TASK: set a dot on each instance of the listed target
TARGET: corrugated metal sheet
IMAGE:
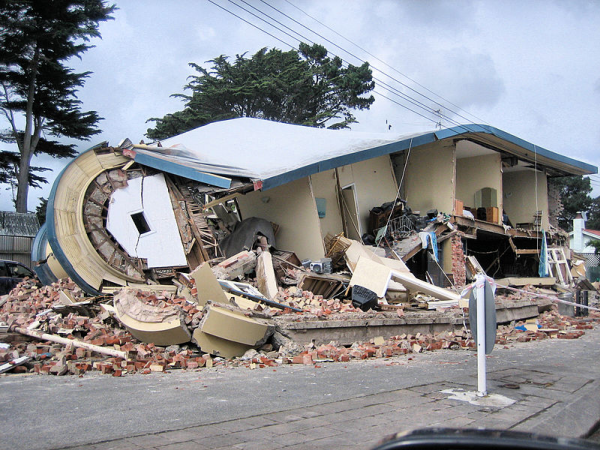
(18, 224)
(15, 244)
(23, 258)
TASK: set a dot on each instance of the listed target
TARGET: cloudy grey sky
(530, 68)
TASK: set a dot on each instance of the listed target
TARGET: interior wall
(374, 183)
(293, 208)
(475, 173)
(429, 178)
(520, 196)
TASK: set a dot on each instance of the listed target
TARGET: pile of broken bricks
(214, 317)
(47, 311)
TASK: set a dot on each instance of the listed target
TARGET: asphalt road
(55, 412)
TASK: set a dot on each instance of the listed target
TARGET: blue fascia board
(53, 239)
(182, 171)
(345, 160)
(526, 145)
(38, 253)
(541, 151)
(415, 141)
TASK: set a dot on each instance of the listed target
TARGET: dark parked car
(11, 274)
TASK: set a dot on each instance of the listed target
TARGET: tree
(304, 87)
(593, 222)
(37, 90)
(574, 194)
(596, 244)
(40, 210)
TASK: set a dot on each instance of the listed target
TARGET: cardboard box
(491, 214)
(458, 207)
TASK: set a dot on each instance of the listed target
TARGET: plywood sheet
(371, 275)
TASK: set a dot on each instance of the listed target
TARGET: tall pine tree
(37, 89)
(304, 86)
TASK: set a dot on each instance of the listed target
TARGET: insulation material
(141, 219)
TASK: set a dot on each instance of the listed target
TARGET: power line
(363, 61)
(386, 86)
(383, 62)
(251, 24)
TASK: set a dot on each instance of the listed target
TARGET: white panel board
(148, 195)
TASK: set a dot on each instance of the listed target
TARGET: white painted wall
(585, 247)
(162, 245)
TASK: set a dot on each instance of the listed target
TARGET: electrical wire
(305, 38)
(385, 85)
(482, 138)
(412, 100)
(383, 62)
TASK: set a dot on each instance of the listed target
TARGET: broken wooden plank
(73, 342)
(415, 284)
(14, 363)
(265, 276)
(525, 281)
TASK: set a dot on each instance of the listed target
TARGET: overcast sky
(530, 68)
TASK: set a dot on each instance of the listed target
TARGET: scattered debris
(43, 337)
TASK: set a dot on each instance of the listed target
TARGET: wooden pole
(73, 342)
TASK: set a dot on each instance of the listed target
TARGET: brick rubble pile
(29, 305)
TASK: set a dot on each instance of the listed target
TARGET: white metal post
(481, 362)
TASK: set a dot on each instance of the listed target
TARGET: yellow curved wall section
(54, 265)
(68, 218)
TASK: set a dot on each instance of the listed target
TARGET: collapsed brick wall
(459, 269)
(555, 206)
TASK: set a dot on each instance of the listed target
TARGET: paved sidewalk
(554, 397)
(361, 422)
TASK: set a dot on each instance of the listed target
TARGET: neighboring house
(580, 237)
(579, 242)
(17, 232)
(126, 214)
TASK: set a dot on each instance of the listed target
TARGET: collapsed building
(132, 213)
(249, 212)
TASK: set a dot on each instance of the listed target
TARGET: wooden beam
(73, 342)
(218, 201)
